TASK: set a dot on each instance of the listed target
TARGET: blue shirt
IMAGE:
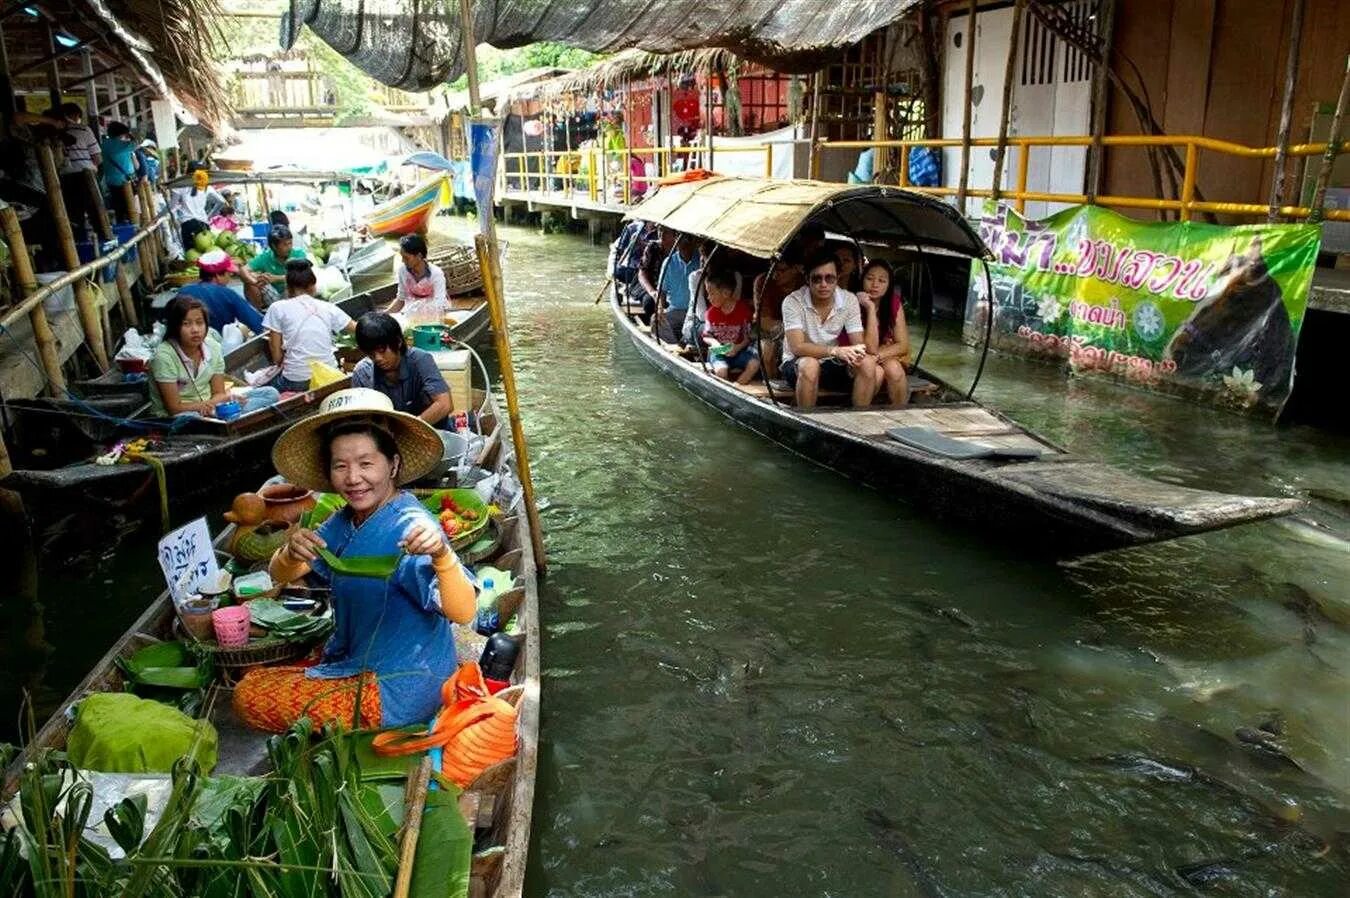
(224, 306)
(419, 382)
(393, 628)
(675, 280)
(119, 161)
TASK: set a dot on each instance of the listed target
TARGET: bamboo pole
(106, 233)
(964, 183)
(85, 302)
(1009, 70)
(137, 217)
(1333, 148)
(489, 261)
(819, 76)
(1100, 78)
(43, 337)
(412, 826)
(1277, 178)
(708, 104)
(153, 252)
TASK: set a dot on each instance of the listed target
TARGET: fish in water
(1264, 745)
(1241, 324)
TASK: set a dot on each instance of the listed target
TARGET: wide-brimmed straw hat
(297, 455)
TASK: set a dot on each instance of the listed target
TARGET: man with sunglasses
(813, 318)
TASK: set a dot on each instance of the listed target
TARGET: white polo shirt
(800, 314)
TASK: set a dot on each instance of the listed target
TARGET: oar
(603, 287)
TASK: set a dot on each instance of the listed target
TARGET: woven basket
(460, 265)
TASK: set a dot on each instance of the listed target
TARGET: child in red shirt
(727, 328)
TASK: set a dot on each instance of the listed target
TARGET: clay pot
(247, 510)
(286, 502)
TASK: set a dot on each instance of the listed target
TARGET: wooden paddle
(603, 287)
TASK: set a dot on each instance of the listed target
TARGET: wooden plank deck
(964, 421)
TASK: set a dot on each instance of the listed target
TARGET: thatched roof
(624, 68)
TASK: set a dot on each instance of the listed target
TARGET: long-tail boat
(408, 213)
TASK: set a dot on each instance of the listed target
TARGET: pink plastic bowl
(231, 626)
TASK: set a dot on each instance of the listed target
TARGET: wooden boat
(497, 805)
(1055, 501)
(409, 213)
(54, 442)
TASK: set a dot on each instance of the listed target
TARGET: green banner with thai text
(1203, 310)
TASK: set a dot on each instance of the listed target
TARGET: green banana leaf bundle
(285, 624)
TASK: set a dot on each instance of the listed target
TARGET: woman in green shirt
(188, 367)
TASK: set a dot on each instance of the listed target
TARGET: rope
(157, 466)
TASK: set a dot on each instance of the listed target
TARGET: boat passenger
(674, 284)
(300, 328)
(769, 295)
(727, 323)
(118, 161)
(883, 314)
(406, 374)
(269, 266)
(846, 258)
(223, 305)
(188, 367)
(649, 272)
(421, 285)
(814, 316)
(392, 646)
(628, 248)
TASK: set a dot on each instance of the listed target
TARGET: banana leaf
(444, 849)
(169, 665)
(325, 505)
(381, 567)
(279, 621)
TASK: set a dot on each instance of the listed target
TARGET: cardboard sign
(188, 559)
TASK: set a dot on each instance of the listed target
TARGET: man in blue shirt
(223, 305)
(674, 285)
(119, 166)
(407, 375)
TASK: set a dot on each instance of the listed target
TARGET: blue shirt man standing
(223, 305)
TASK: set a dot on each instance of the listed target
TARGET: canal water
(763, 679)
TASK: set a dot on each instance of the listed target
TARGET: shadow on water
(762, 679)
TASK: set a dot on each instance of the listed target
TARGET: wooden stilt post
(138, 218)
(86, 303)
(964, 183)
(1006, 110)
(53, 68)
(106, 233)
(814, 151)
(1101, 77)
(43, 337)
(150, 253)
(489, 259)
(1333, 147)
(1277, 178)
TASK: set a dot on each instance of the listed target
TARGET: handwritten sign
(188, 559)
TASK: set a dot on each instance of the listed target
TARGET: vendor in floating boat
(300, 328)
(884, 324)
(406, 374)
(421, 285)
(223, 305)
(188, 367)
(814, 317)
(191, 205)
(268, 267)
(392, 647)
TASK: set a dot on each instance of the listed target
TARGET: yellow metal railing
(1187, 205)
(597, 177)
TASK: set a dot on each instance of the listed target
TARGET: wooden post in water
(106, 233)
(489, 260)
(1005, 111)
(85, 302)
(1277, 179)
(1333, 147)
(1101, 76)
(43, 337)
(964, 182)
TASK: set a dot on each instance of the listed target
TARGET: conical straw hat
(298, 458)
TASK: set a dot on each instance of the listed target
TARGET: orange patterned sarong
(273, 698)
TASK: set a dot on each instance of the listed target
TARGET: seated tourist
(846, 258)
(300, 328)
(421, 285)
(814, 317)
(883, 313)
(392, 645)
(628, 249)
(188, 367)
(727, 323)
(674, 285)
(770, 290)
(223, 305)
(406, 374)
(649, 270)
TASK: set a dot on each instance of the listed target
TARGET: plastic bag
(329, 281)
(232, 336)
(321, 375)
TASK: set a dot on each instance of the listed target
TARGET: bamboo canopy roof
(413, 44)
(626, 67)
(760, 216)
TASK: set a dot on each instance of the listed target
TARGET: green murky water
(763, 679)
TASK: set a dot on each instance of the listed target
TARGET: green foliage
(493, 63)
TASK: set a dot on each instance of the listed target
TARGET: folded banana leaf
(278, 621)
(381, 567)
(167, 664)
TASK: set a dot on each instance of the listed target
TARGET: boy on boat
(727, 324)
(406, 374)
(814, 317)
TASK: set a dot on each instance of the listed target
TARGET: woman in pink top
(421, 285)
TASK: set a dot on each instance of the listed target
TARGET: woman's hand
(424, 539)
(303, 545)
(865, 301)
(852, 354)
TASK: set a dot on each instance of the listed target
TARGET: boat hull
(407, 214)
(1030, 504)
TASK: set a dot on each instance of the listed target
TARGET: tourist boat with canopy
(54, 443)
(411, 818)
(945, 451)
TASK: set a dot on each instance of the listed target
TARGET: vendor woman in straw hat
(392, 647)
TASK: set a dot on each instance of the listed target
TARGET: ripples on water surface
(763, 679)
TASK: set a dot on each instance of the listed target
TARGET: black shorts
(834, 374)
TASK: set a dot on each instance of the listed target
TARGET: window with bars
(1042, 53)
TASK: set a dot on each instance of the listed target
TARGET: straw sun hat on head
(298, 454)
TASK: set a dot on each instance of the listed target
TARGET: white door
(1051, 97)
